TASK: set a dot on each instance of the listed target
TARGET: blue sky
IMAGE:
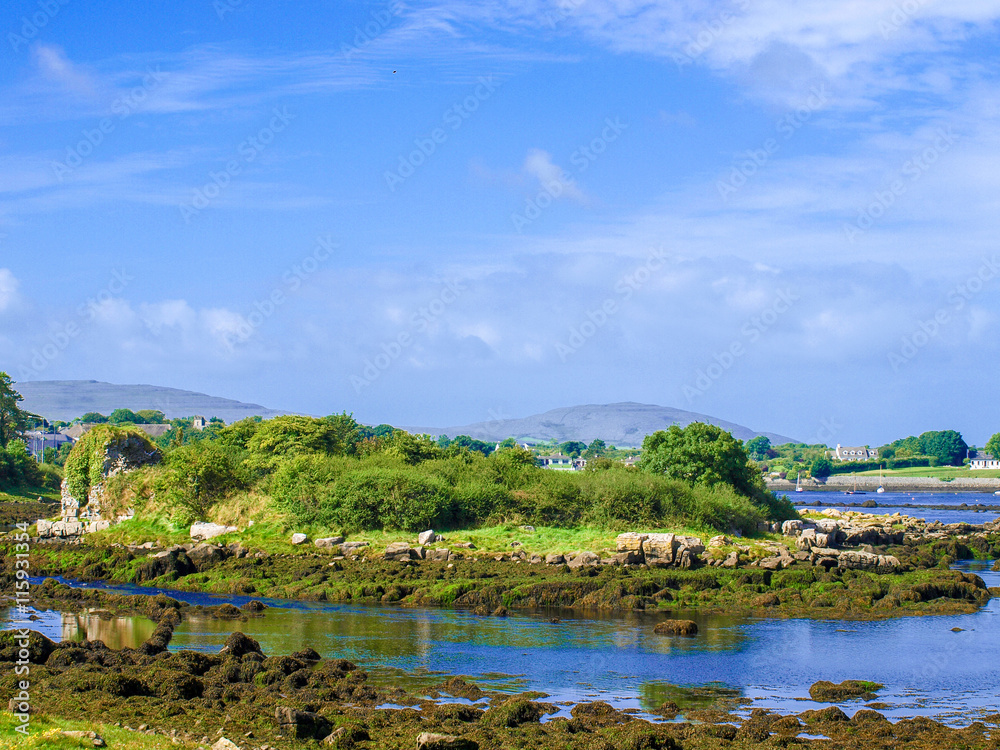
(434, 213)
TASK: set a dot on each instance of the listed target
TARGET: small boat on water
(855, 491)
(880, 489)
(797, 487)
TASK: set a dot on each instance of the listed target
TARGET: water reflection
(91, 625)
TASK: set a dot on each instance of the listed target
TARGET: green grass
(44, 733)
(20, 494)
(939, 472)
(275, 538)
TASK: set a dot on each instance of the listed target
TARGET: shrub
(391, 498)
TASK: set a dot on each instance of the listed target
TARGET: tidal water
(891, 502)
(926, 667)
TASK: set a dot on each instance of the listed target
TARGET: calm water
(891, 502)
(927, 668)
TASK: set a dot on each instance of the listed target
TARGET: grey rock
(584, 559)
(202, 530)
(426, 537)
(329, 541)
(299, 538)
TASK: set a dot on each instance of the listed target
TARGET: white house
(861, 453)
(981, 460)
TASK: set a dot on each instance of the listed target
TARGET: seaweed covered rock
(17, 644)
(238, 644)
(828, 692)
(431, 741)
(513, 713)
(676, 627)
(302, 725)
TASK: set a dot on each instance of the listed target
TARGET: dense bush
(18, 468)
(329, 473)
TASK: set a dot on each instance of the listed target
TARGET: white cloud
(54, 66)
(8, 290)
(551, 177)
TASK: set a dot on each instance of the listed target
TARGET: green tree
(572, 448)
(701, 454)
(993, 446)
(758, 447)
(93, 417)
(821, 467)
(596, 449)
(124, 416)
(947, 446)
(13, 419)
(154, 416)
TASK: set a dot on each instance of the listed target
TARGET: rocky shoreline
(246, 699)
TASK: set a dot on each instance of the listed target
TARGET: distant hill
(68, 399)
(622, 425)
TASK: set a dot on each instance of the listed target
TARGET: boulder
(660, 549)
(352, 548)
(855, 560)
(299, 538)
(719, 541)
(98, 526)
(400, 551)
(43, 528)
(627, 558)
(302, 725)
(202, 530)
(554, 559)
(630, 541)
(431, 741)
(225, 744)
(426, 537)
(584, 559)
(732, 560)
(792, 528)
(827, 526)
(329, 541)
(676, 627)
(437, 555)
(207, 554)
(347, 736)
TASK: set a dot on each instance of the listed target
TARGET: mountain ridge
(66, 400)
(623, 424)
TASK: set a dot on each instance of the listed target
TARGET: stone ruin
(122, 455)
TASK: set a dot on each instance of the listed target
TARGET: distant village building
(37, 441)
(199, 423)
(862, 453)
(982, 460)
(555, 461)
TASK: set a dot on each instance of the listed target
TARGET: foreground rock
(202, 530)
